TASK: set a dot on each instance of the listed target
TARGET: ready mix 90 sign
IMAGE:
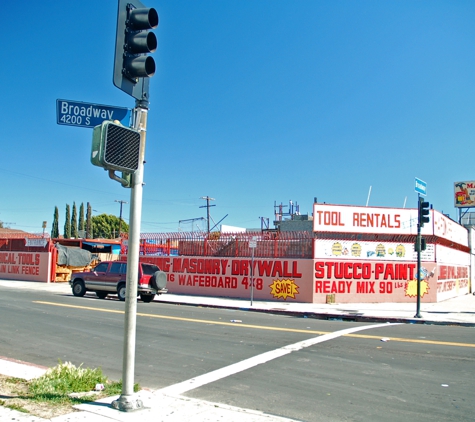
(374, 281)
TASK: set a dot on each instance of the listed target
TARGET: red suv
(109, 277)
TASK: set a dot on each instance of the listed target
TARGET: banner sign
(464, 194)
(35, 242)
(370, 281)
(27, 266)
(449, 229)
(346, 249)
(351, 219)
(284, 279)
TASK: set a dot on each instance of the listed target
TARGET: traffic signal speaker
(115, 147)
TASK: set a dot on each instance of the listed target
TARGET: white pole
(126, 401)
(369, 194)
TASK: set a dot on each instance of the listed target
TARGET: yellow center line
(202, 321)
(260, 327)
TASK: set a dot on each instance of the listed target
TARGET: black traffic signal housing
(134, 41)
(423, 212)
(420, 244)
(115, 147)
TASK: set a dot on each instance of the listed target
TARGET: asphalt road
(377, 373)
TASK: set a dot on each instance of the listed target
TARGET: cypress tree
(67, 224)
(89, 233)
(55, 228)
(81, 218)
(74, 222)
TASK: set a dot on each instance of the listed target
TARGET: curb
(330, 316)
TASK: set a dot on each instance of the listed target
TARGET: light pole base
(126, 403)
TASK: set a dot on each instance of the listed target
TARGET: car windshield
(149, 269)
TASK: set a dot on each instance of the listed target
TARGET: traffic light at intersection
(134, 42)
(420, 244)
(423, 212)
(115, 147)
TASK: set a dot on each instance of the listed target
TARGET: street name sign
(421, 187)
(77, 113)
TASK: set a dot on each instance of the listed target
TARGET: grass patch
(50, 392)
(64, 379)
(17, 407)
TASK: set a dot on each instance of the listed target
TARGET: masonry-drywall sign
(274, 279)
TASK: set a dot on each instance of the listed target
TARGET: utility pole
(120, 215)
(207, 206)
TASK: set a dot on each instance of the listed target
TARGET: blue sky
(252, 102)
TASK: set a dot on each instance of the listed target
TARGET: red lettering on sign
(329, 218)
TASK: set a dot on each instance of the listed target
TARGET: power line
(120, 215)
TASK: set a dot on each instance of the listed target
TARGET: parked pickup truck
(108, 277)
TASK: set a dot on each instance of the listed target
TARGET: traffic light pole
(126, 401)
(418, 247)
(418, 310)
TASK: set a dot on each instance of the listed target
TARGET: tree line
(103, 226)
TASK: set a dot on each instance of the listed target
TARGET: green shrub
(65, 378)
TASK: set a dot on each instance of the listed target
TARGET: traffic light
(423, 212)
(420, 244)
(115, 147)
(134, 41)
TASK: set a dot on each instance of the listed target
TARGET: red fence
(268, 244)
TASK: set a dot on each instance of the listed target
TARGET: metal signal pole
(418, 246)
(133, 66)
(126, 402)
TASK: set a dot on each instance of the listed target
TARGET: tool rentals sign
(350, 219)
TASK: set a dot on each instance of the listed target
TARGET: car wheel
(79, 289)
(146, 297)
(102, 295)
(121, 291)
(158, 280)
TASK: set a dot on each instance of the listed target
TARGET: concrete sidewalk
(456, 311)
(157, 406)
(161, 407)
